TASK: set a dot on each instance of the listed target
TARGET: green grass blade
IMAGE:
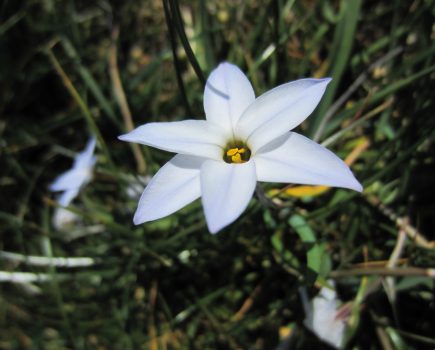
(339, 57)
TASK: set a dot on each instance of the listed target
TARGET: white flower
(243, 140)
(70, 184)
(325, 318)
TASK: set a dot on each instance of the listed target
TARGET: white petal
(296, 159)
(174, 186)
(72, 179)
(280, 110)
(66, 197)
(323, 321)
(226, 191)
(193, 137)
(227, 95)
(86, 159)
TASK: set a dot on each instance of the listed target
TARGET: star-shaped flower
(71, 182)
(243, 140)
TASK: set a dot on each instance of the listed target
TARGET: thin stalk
(403, 223)
(23, 277)
(385, 271)
(76, 96)
(47, 261)
(89, 80)
(122, 100)
(179, 25)
(177, 66)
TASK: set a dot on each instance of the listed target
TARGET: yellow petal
(305, 191)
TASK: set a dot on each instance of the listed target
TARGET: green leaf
(317, 259)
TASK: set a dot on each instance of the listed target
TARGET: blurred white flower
(64, 218)
(325, 318)
(243, 140)
(70, 184)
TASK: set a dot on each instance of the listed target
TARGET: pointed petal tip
(141, 217)
(123, 137)
(214, 228)
(92, 140)
(325, 81)
(354, 184)
(54, 187)
(129, 137)
(138, 220)
(228, 66)
(225, 64)
(349, 181)
(225, 200)
(358, 187)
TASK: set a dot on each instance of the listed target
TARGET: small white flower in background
(70, 184)
(243, 140)
(324, 317)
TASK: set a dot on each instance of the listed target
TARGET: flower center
(237, 154)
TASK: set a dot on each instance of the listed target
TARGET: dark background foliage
(170, 284)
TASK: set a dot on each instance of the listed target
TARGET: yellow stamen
(232, 152)
(237, 158)
(235, 154)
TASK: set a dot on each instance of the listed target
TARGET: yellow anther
(237, 158)
(235, 154)
(232, 152)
